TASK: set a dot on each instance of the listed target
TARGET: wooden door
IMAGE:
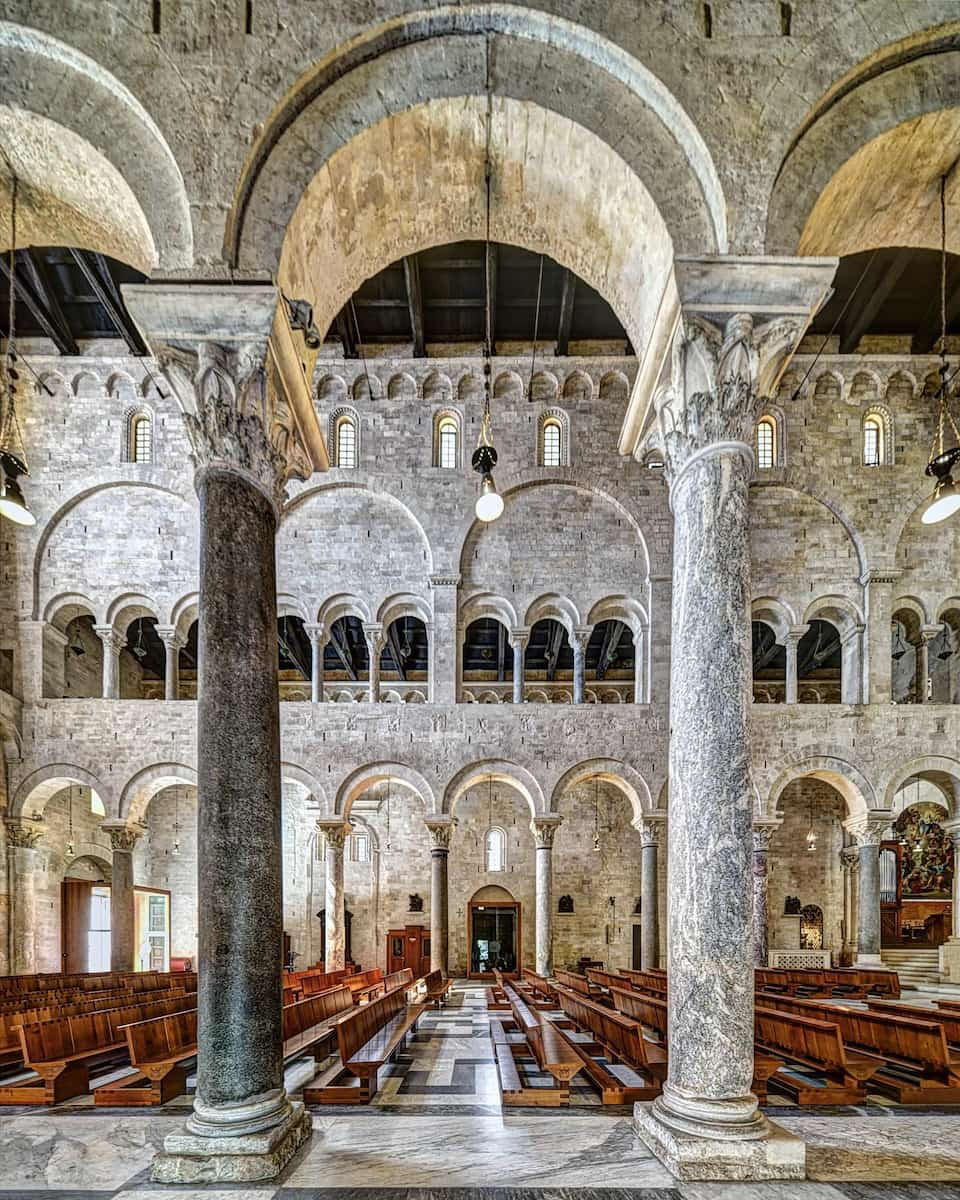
(409, 947)
(74, 924)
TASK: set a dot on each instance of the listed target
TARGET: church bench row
(365, 984)
(530, 1035)
(855, 983)
(948, 1017)
(818, 1043)
(916, 1064)
(307, 983)
(654, 982)
(367, 1038)
(537, 987)
(436, 988)
(577, 983)
(60, 1052)
(69, 990)
(652, 1013)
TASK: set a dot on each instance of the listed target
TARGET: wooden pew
(654, 982)
(437, 989)
(365, 985)
(367, 1038)
(530, 1035)
(541, 988)
(62, 1051)
(638, 1067)
(577, 983)
(916, 1063)
(949, 1018)
(496, 997)
(605, 980)
(816, 1043)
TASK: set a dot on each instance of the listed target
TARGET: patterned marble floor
(437, 1130)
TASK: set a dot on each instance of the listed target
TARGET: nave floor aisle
(437, 1130)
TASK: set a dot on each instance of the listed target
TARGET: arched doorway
(493, 933)
(85, 915)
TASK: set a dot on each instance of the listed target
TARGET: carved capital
(868, 830)
(651, 830)
(319, 635)
(441, 831)
(123, 837)
(376, 638)
(113, 640)
(520, 636)
(544, 830)
(761, 838)
(336, 833)
(445, 581)
(171, 638)
(23, 834)
(581, 636)
(849, 858)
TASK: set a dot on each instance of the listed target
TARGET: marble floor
(437, 1130)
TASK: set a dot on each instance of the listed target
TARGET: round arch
(129, 607)
(778, 614)
(404, 605)
(842, 776)
(358, 781)
(142, 787)
(39, 786)
(943, 771)
(553, 607)
(343, 605)
(620, 608)
(496, 771)
(618, 774)
(486, 604)
(58, 606)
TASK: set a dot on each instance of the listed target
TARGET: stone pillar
(851, 665)
(230, 358)
(650, 835)
(518, 640)
(761, 917)
(928, 634)
(32, 638)
(444, 652)
(375, 640)
(641, 653)
(319, 636)
(23, 863)
(706, 394)
(336, 833)
(581, 636)
(878, 602)
(173, 643)
(791, 642)
(950, 950)
(544, 830)
(113, 643)
(849, 861)
(867, 833)
(123, 839)
(441, 830)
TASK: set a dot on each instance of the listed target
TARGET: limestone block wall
(157, 864)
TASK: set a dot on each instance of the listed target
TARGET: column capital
(111, 637)
(375, 635)
(868, 830)
(651, 829)
(445, 579)
(849, 858)
(336, 831)
(581, 635)
(794, 634)
(544, 830)
(170, 636)
(229, 354)
(441, 831)
(122, 836)
(762, 832)
(851, 634)
(930, 633)
(519, 635)
(23, 833)
(318, 634)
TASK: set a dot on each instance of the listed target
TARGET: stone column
(23, 873)
(791, 642)
(867, 833)
(950, 950)
(544, 830)
(173, 643)
(123, 840)
(113, 643)
(319, 636)
(32, 638)
(581, 636)
(336, 833)
(849, 860)
(928, 634)
(761, 919)
(444, 653)
(650, 835)
(375, 640)
(441, 830)
(878, 602)
(518, 640)
(851, 665)
(706, 394)
(229, 355)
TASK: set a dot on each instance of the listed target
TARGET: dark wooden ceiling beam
(501, 652)
(96, 271)
(491, 268)
(565, 323)
(927, 338)
(553, 650)
(612, 634)
(393, 641)
(411, 274)
(33, 296)
(865, 314)
(44, 288)
(343, 650)
(345, 330)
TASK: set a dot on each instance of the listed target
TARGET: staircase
(916, 968)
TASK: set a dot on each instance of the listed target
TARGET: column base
(869, 960)
(774, 1154)
(187, 1158)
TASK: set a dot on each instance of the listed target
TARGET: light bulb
(945, 502)
(489, 503)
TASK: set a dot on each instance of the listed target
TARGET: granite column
(581, 636)
(867, 836)
(123, 840)
(544, 830)
(650, 836)
(23, 873)
(173, 643)
(761, 848)
(849, 860)
(441, 830)
(335, 921)
(791, 642)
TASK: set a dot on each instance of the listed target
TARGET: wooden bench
(602, 1034)
(916, 1065)
(817, 1043)
(949, 1018)
(541, 989)
(437, 989)
(605, 980)
(529, 1035)
(577, 983)
(653, 982)
(367, 1038)
(62, 1051)
(365, 985)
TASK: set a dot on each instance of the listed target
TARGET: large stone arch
(900, 88)
(496, 771)
(462, 51)
(142, 787)
(358, 781)
(615, 772)
(840, 773)
(33, 792)
(943, 771)
(98, 172)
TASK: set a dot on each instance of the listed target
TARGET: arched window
(766, 443)
(872, 442)
(553, 448)
(495, 847)
(446, 440)
(139, 437)
(346, 439)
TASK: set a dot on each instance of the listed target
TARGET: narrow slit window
(346, 444)
(142, 440)
(872, 442)
(448, 444)
(552, 438)
(496, 850)
(766, 444)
